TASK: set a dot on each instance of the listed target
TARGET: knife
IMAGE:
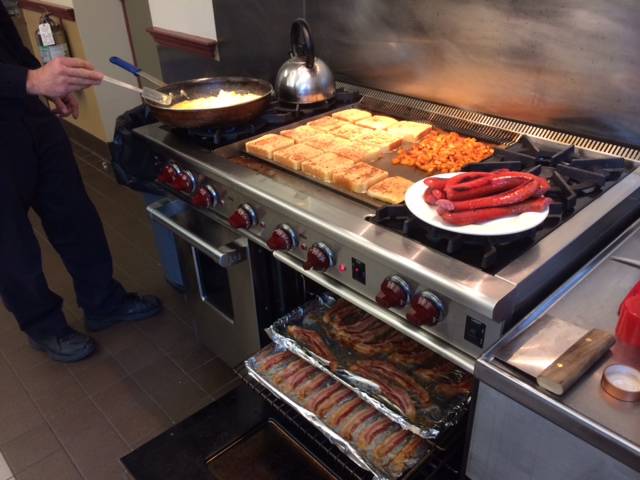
(556, 353)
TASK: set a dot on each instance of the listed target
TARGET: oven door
(219, 289)
(251, 434)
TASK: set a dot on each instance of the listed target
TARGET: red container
(628, 329)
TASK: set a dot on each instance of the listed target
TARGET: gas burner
(485, 252)
(281, 113)
(276, 115)
(223, 135)
(572, 172)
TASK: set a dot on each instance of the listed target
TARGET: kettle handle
(300, 28)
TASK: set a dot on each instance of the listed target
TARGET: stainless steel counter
(589, 299)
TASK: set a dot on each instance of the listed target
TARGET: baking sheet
(344, 446)
(430, 423)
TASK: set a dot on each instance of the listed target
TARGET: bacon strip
(407, 452)
(299, 377)
(450, 390)
(312, 340)
(371, 334)
(264, 353)
(393, 374)
(372, 431)
(437, 373)
(389, 444)
(401, 399)
(357, 419)
(385, 345)
(320, 396)
(397, 396)
(275, 360)
(411, 358)
(310, 386)
(331, 401)
(342, 412)
(289, 370)
(360, 326)
(371, 349)
(341, 312)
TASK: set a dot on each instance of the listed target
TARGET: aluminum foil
(344, 446)
(429, 424)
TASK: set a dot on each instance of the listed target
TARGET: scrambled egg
(223, 99)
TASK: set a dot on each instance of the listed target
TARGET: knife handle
(571, 365)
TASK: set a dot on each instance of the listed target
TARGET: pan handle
(126, 65)
(300, 28)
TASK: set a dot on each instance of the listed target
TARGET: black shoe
(134, 307)
(70, 346)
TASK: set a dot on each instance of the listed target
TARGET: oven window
(214, 284)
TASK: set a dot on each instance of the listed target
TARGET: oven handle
(225, 256)
(440, 347)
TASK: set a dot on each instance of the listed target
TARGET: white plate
(493, 228)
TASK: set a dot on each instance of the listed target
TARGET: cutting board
(556, 353)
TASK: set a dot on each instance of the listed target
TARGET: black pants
(38, 171)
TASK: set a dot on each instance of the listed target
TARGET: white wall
(64, 3)
(194, 17)
(104, 34)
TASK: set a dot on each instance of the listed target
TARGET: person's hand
(61, 76)
(67, 105)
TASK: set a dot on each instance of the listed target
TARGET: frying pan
(205, 87)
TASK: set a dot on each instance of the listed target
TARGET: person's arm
(62, 76)
(56, 80)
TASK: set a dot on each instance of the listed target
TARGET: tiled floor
(65, 422)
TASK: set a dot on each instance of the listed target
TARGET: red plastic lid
(628, 329)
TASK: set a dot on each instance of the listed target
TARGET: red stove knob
(319, 257)
(205, 197)
(184, 182)
(168, 173)
(426, 309)
(283, 238)
(244, 217)
(394, 292)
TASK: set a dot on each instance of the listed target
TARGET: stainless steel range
(479, 286)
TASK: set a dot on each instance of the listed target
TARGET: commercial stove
(354, 247)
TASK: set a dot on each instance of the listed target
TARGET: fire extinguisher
(52, 40)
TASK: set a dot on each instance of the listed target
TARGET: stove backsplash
(571, 65)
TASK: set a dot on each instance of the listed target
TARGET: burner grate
(483, 251)
(571, 173)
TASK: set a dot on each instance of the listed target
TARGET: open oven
(252, 432)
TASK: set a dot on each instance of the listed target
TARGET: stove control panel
(414, 300)
(244, 217)
(320, 257)
(394, 292)
(426, 309)
(283, 238)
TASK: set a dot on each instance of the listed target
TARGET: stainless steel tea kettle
(304, 78)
